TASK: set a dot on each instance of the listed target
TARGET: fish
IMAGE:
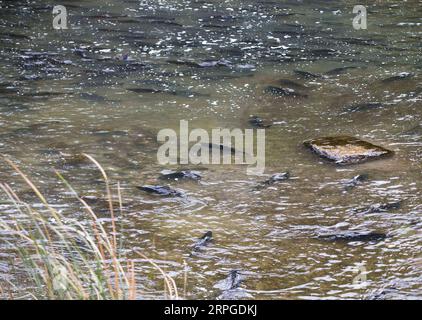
(356, 180)
(43, 94)
(221, 147)
(353, 236)
(166, 23)
(203, 64)
(378, 208)
(93, 97)
(160, 190)
(415, 131)
(180, 93)
(257, 122)
(291, 84)
(340, 70)
(346, 150)
(13, 35)
(217, 77)
(400, 76)
(307, 75)
(8, 88)
(145, 90)
(232, 282)
(231, 289)
(323, 52)
(360, 41)
(203, 241)
(180, 175)
(284, 92)
(365, 106)
(30, 77)
(183, 63)
(277, 177)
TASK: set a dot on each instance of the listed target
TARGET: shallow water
(74, 98)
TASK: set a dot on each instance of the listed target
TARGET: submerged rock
(160, 190)
(414, 93)
(353, 236)
(180, 175)
(346, 150)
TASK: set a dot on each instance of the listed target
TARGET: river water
(64, 92)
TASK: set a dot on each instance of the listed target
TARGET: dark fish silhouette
(92, 97)
(278, 177)
(307, 75)
(366, 106)
(291, 84)
(400, 76)
(378, 208)
(232, 281)
(323, 52)
(360, 178)
(231, 289)
(340, 70)
(160, 190)
(257, 122)
(180, 175)
(181, 93)
(352, 236)
(284, 92)
(203, 241)
(222, 148)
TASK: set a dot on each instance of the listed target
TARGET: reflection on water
(126, 69)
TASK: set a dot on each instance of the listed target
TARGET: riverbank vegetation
(60, 257)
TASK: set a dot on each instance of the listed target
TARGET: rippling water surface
(66, 92)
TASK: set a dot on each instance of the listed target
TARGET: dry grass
(67, 259)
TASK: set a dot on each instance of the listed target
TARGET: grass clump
(63, 258)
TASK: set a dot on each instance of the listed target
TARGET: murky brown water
(269, 235)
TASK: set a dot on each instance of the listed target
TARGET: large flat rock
(346, 150)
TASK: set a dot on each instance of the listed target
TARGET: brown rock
(346, 150)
